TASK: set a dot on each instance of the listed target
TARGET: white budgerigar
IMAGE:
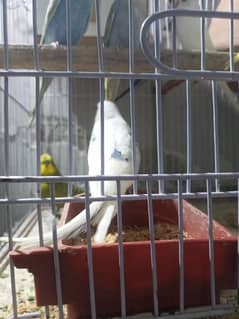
(117, 161)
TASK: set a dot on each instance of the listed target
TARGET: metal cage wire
(211, 180)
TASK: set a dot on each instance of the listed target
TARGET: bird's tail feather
(104, 223)
(70, 229)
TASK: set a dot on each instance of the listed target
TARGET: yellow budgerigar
(49, 168)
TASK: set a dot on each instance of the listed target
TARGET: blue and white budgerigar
(55, 28)
(117, 161)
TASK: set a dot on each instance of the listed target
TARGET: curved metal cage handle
(183, 13)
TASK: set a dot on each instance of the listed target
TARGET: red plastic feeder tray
(137, 263)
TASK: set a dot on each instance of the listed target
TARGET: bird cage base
(137, 265)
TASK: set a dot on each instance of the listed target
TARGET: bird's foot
(55, 45)
(104, 223)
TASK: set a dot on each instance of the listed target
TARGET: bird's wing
(55, 21)
(117, 149)
(117, 161)
(50, 13)
(117, 24)
(80, 15)
(116, 140)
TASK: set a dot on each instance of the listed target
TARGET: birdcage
(171, 69)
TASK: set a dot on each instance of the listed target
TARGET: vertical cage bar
(38, 123)
(238, 241)
(38, 138)
(213, 4)
(132, 90)
(166, 6)
(152, 246)
(231, 36)
(174, 38)
(133, 125)
(5, 36)
(89, 252)
(102, 139)
(38, 155)
(99, 47)
(189, 132)
(159, 132)
(101, 90)
(12, 272)
(203, 40)
(68, 35)
(180, 247)
(70, 128)
(69, 88)
(215, 132)
(6, 154)
(131, 38)
(6, 130)
(211, 243)
(56, 253)
(8, 212)
(121, 252)
(6, 90)
(206, 7)
(98, 34)
(158, 102)
(35, 44)
(157, 33)
(158, 7)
